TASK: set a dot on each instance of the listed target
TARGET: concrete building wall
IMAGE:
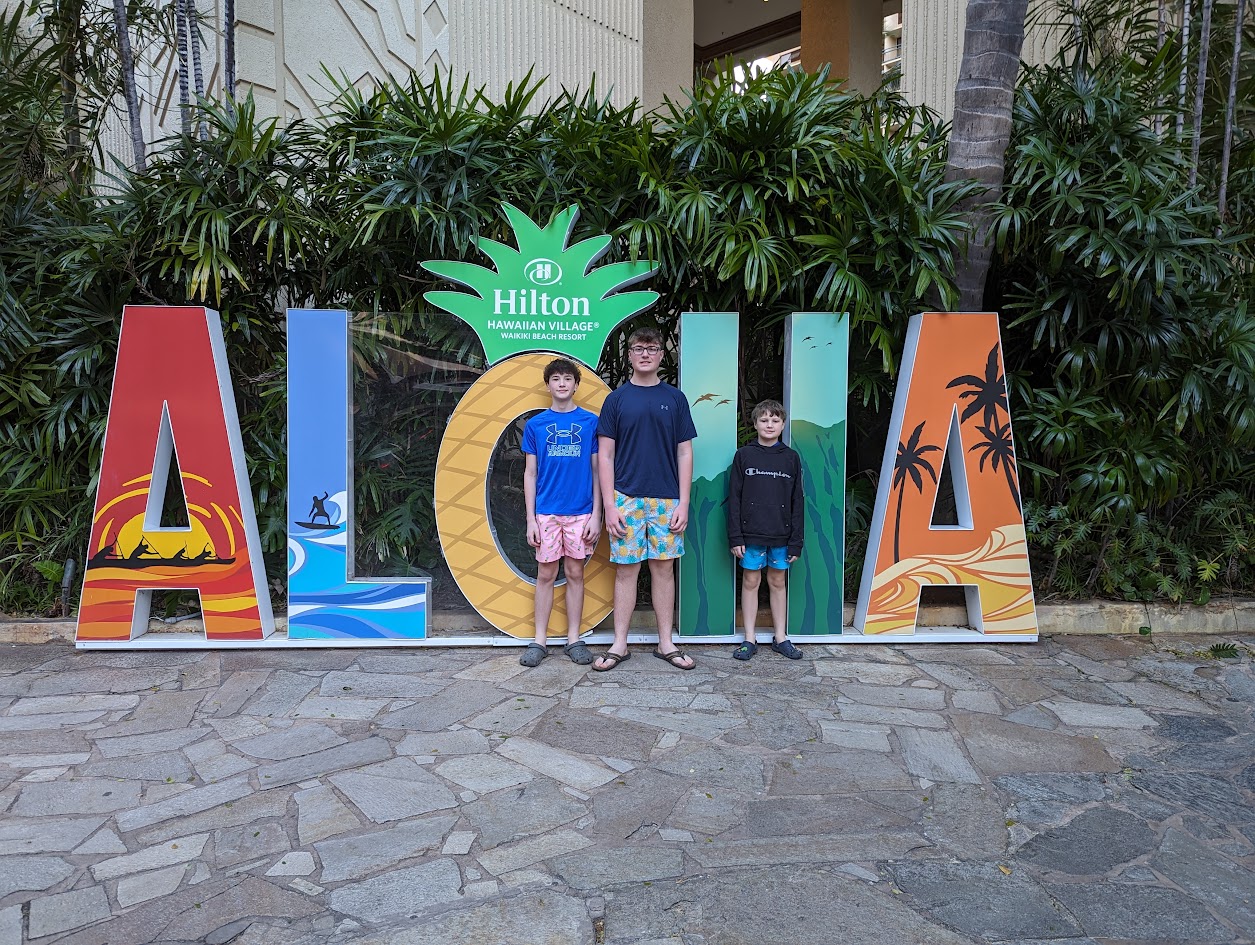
(667, 51)
(495, 42)
(282, 47)
(932, 48)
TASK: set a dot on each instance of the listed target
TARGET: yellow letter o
(491, 585)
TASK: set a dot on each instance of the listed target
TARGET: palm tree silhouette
(988, 393)
(909, 463)
(997, 448)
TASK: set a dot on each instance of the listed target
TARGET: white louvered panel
(567, 40)
(932, 49)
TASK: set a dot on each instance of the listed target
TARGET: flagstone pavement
(1081, 790)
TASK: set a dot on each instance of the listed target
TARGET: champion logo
(754, 471)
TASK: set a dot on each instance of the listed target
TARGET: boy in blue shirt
(563, 513)
(646, 469)
(766, 516)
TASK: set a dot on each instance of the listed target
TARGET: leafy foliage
(1130, 350)
(1130, 341)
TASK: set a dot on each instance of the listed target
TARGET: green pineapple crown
(543, 296)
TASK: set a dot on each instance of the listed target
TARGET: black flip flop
(673, 656)
(615, 660)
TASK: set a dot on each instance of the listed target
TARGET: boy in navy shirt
(563, 513)
(766, 513)
(646, 469)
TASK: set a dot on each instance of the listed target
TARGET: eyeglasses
(645, 349)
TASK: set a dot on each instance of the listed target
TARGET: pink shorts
(562, 536)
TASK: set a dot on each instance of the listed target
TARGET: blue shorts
(759, 556)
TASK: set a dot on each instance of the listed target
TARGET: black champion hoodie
(765, 504)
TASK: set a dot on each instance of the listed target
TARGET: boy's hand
(616, 524)
(533, 533)
(679, 518)
(738, 551)
(592, 528)
(793, 558)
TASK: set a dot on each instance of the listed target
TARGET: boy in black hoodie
(765, 523)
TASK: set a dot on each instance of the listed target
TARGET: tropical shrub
(1128, 331)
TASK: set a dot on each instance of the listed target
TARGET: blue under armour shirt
(563, 444)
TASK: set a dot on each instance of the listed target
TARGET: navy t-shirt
(563, 444)
(646, 424)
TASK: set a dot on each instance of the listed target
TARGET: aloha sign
(538, 298)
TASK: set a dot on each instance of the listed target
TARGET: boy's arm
(798, 508)
(736, 480)
(529, 496)
(593, 528)
(684, 460)
(615, 524)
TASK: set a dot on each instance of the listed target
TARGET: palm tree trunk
(897, 524)
(70, 16)
(981, 130)
(1204, 47)
(198, 76)
(180, 28)
(1015, 492)
(1161, 25)
(228, 51)
(1185, 68)
(1230, 110)
(128, 83)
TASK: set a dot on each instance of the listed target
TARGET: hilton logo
(543, 272)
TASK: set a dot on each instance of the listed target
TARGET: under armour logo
(571, 436)
(664, 406)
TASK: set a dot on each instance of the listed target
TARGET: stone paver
(136, 889)
(360, 855)
(400, 892)
(557, 764)
(11, 926)
(393, 790)
(1074, 792)
(70, 910)
(176, 851)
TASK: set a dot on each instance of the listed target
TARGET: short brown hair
(648, 336)
(764, 407)
(562, 366)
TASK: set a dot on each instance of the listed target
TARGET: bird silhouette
(726, 400)
(704, 397)
(808, 338)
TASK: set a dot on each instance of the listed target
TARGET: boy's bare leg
(624, 604)
(546, 574)
(777, 590)
(662, 590)
(750, 581)
(574, 598)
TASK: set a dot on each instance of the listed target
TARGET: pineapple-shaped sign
(543, 298)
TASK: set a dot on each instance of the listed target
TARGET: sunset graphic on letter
(171, 398)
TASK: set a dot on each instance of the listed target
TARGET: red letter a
(172, 394)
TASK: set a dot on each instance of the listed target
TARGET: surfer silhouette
(204, 555)
(180, 555)
(318, 509)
